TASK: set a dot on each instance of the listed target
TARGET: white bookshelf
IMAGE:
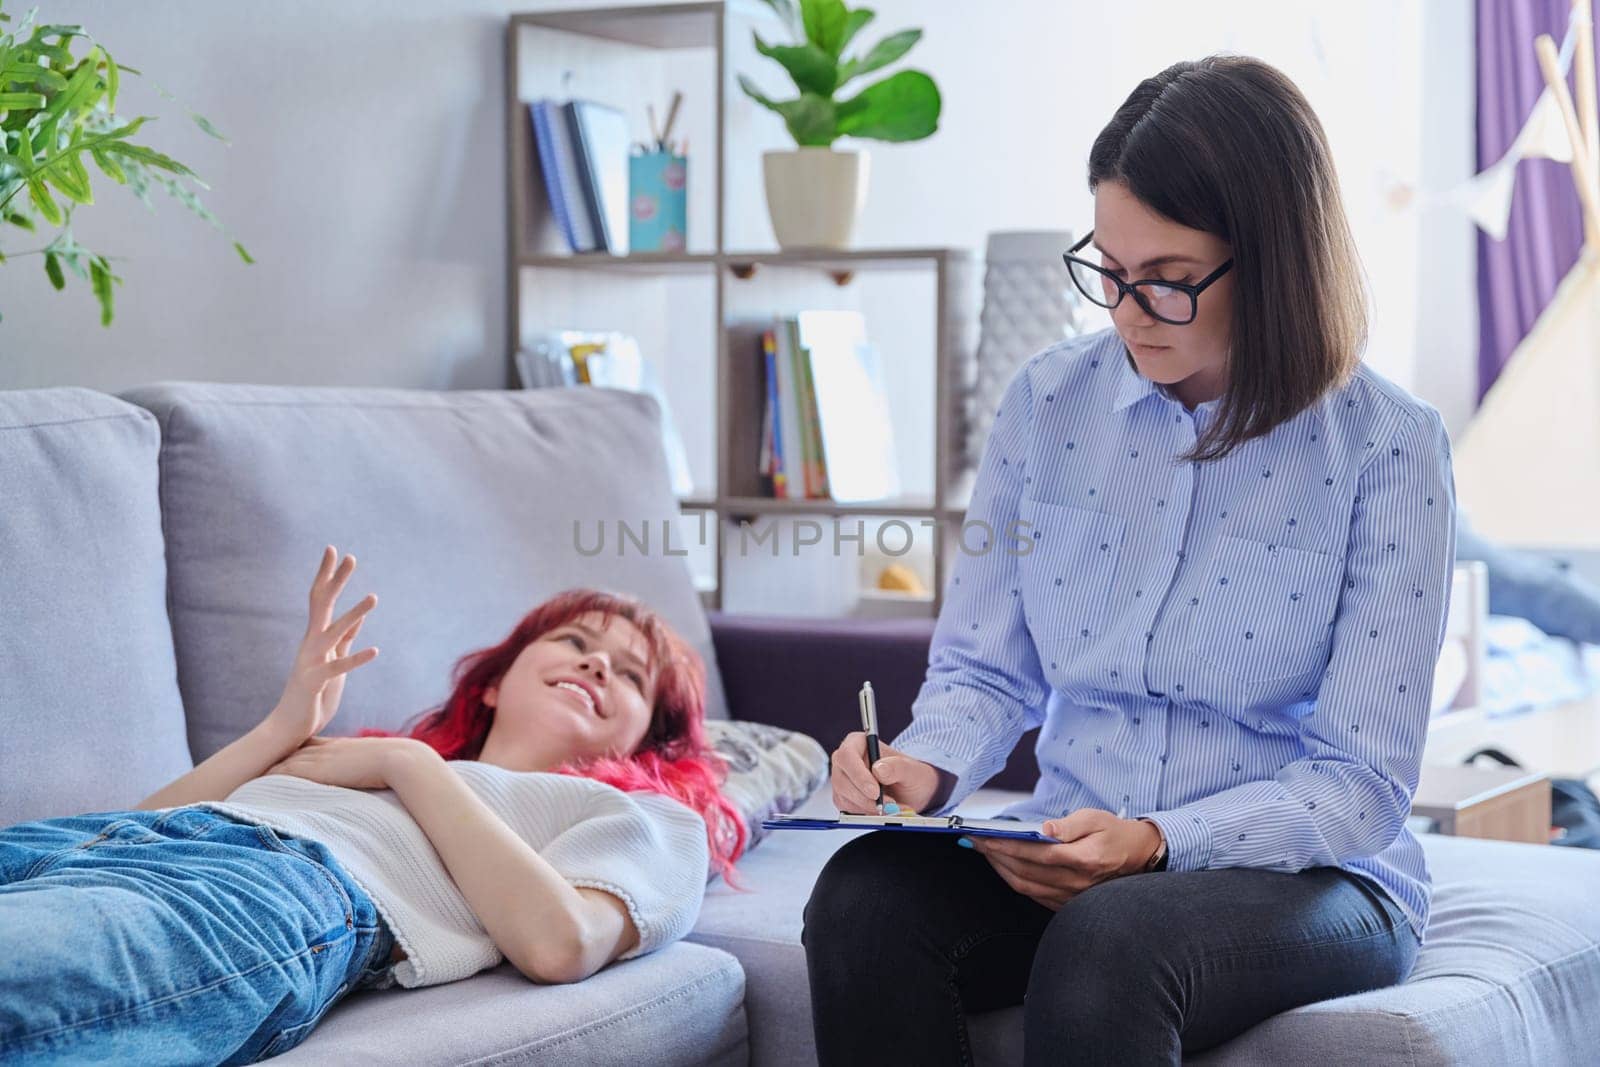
(699, 313)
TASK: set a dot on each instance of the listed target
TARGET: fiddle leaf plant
(900, 107)
(56, 111)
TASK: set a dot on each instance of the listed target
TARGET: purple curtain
(1517, 276)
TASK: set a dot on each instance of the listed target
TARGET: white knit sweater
(647, 850)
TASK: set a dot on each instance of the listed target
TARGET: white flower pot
(814, 195)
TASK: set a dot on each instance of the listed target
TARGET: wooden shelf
(644, 263)
(850, 258)
(766, 505)
(660, 26)
(743, 264)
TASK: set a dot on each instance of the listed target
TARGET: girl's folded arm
(245, 758)
(549, 930)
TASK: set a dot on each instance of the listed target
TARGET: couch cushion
(89, 705)
(460, 507)
(680, 1005)
(1510, 972)
(770, 771)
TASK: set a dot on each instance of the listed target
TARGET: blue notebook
(927, 824)
(562, 183)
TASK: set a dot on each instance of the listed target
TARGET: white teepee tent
(1528, 465)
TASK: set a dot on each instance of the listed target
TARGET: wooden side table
(1501, 803)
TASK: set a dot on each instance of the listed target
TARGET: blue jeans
(906, 934)
(174, 936)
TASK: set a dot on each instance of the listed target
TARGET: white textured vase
(1029, 303)
(814, 195)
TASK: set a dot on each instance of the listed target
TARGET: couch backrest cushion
(458, 506)
(90, 717)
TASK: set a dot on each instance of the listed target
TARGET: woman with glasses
(1214, 573)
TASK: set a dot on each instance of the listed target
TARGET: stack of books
(825, 430)
(583, 153)
(558, 358)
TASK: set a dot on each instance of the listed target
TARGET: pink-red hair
(675, 758)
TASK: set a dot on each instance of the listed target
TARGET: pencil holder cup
(658, 202)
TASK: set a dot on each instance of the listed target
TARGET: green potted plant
(57, 110)
(815, 191)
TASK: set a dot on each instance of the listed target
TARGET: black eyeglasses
(1171, 302)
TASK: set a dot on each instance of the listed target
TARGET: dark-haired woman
(558, 811)
(1213, 567)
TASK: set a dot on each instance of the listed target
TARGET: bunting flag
(1486, 196)
(1526, 465)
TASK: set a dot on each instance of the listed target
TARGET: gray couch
(154, 552)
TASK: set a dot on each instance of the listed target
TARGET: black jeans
(906, 933)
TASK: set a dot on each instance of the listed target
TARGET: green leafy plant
(901, 107)
(56, 109)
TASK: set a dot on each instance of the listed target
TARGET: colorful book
(816, 460)
(790, 438)
(852, 405)
(772, 434)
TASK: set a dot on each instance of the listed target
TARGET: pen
(869, 725)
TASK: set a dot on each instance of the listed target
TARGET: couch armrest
(803, 674)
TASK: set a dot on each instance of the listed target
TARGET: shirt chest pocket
(1264, 609)
(1067, 574)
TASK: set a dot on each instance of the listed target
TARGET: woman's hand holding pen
(1096, 846)
(906, 781)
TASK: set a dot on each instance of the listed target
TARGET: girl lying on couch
(559, 811)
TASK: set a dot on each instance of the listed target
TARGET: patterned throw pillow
(770, 770)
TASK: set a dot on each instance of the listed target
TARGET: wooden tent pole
(1584, 84)
(1582, 174)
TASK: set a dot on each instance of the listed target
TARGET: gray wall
(366, 175)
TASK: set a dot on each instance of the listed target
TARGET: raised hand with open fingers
(316, 681)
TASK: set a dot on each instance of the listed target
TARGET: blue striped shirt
(1241, 651)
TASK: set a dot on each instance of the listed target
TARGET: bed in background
(1501, 681)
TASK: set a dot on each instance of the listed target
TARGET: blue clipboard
(926, 824)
